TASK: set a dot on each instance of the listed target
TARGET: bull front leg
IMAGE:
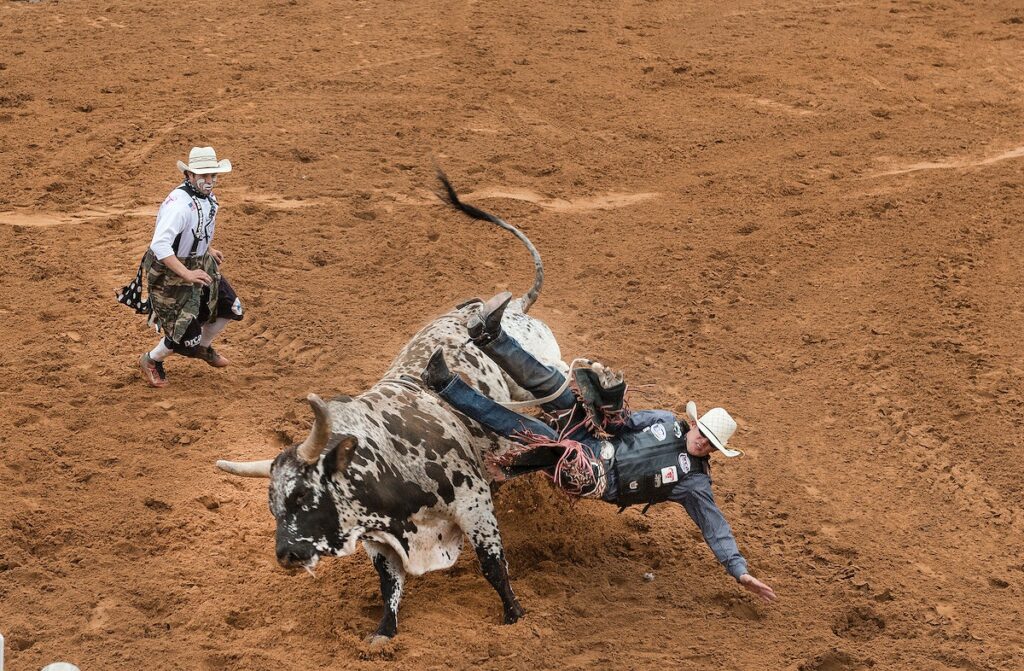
(487, 542)
(392, 579)
(496, 571)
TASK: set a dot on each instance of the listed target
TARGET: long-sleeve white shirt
(178, 215)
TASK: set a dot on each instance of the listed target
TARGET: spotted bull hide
(398, 470)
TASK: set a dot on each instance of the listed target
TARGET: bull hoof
(377, 641)
(512, 616)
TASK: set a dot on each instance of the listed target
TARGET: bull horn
(311, 448)
(247, 469)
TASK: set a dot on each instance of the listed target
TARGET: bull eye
(298, 498)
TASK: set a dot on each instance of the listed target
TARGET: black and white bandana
(202, 230)
(131, 294)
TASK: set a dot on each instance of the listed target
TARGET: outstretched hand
(757, 588)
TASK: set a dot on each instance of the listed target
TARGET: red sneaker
(152, 371)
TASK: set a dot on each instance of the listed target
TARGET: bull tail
(449, 196)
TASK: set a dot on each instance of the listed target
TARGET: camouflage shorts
(178, 304)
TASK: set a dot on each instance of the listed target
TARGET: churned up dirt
(807, 212)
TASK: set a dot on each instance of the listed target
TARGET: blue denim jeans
(528, 373)
(491, 414)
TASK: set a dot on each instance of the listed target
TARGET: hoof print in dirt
(836, 660)
(861, 623)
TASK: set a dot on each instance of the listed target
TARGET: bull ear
(342, 447)
(309, 451)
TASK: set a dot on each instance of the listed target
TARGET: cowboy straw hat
(203, 161)
(716, 425)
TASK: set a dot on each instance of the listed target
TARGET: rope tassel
(576, 472)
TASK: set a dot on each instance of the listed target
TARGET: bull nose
(292, 555)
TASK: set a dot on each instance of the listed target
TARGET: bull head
(308, 521)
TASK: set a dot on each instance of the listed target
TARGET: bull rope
(574, 471)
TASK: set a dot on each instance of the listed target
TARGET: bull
(396, 469)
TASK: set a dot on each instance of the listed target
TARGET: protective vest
(648, 464)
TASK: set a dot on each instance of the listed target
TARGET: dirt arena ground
(806, 212)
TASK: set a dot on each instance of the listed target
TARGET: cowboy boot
(613, 405)
(436, 374)
(586, 386)
(485, 326)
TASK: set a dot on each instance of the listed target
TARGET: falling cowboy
(189, 300)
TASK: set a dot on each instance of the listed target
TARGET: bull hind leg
(392, 579)
(487, 542)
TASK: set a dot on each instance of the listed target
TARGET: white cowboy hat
(716, 425)
(203, 161)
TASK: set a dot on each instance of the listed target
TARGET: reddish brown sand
(807, 212)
